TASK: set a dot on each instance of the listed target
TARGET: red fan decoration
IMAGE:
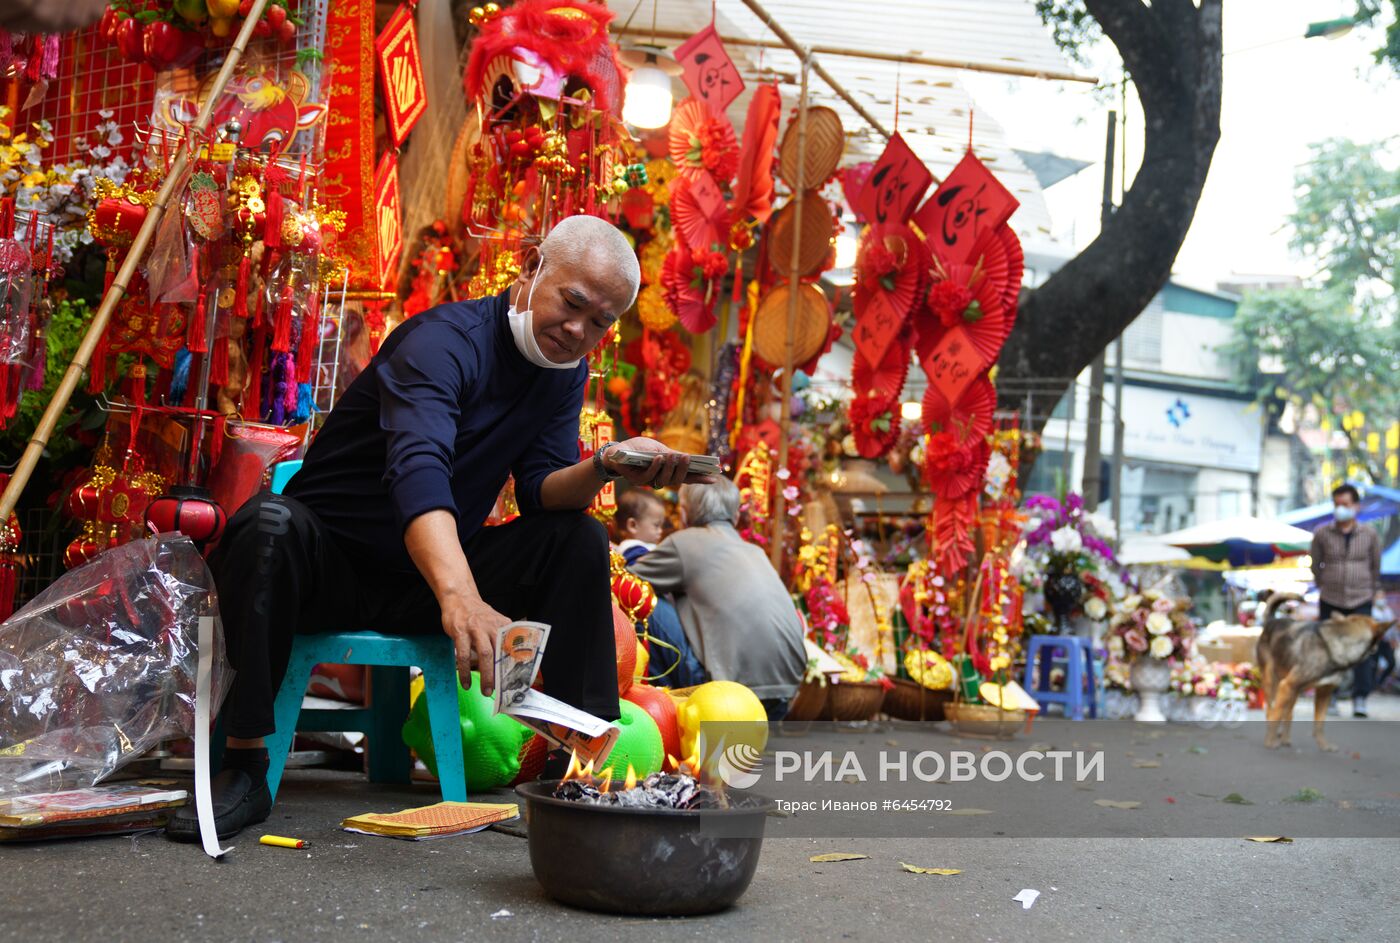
(688, 292)
(1003, 264)
(890, 269)
(963, 295)
(952, 531)
(697, 215)
(971, 416)
(885, 379)
(753, 192)
(875, 424)
(701, 141)
(853, 180)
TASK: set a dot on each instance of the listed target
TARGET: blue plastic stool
(382, 720)
(1081, 687)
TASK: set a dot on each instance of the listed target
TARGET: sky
(1281, 93)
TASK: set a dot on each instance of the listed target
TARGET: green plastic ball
(490, 742)
(639, 744)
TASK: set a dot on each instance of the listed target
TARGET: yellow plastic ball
(643, 659)
(730, 712)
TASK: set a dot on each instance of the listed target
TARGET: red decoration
(753, 191)
(700, 142)
(191, 511)
(952, 364)
(348, 177)
(968, 206)
(708, 72)
(662, 709)
(388, 215)
(889, 277)
(875, 424)
(897, 183)
(401, 74)
(684, 288)
(697, 214)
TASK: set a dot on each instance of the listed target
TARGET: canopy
(1139, 551)
(1242, 541)
(1378, 502)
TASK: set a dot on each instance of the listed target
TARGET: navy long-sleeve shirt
(439, 418)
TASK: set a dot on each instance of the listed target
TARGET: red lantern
(632, 594)
(116, 220)
(83, 501)
(83, 547)
(190, 510)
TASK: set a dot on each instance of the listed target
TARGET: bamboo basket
(810, 701)
(909, 700)
(983, 720)
(854, 700)
(814, 239)
(826, 142)
(810, 331)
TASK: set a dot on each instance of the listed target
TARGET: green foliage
(1367, 13)
(65, 332)
(1072, 26)
(1333, 344)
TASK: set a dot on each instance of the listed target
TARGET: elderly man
(737, 614)
(382, 527)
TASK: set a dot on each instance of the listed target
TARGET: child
(639, 520)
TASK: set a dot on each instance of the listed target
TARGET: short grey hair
(572, 236)
(706, 504)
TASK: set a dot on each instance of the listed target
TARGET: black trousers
(1363, 676)
(279, 573)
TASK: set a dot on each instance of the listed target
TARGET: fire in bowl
(643, 859)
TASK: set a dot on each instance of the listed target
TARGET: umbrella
(1140, 551)
(1242, 541)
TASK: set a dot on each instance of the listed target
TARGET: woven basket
(818, 228)
(983, 720)
(826, 142)
(909, 700)
(809, 702)
(813, 324)
(854, 700)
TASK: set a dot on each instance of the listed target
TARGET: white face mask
(522, 328)
(1344, 513)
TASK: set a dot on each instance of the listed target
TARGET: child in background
(638, 525)
(638, 522)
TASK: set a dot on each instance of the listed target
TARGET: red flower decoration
(700, 140)
(950, 302)
(686, 292)
(878, 263)
(875, 424)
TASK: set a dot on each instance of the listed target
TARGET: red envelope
(707, 194)
(896, 184)
(877, 327)
(964, 211)
(953, 364)
(708, 72)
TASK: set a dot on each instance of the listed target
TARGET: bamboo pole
(779, 535)
(113, 296)
(904, 58)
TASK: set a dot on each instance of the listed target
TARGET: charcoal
(657, 791)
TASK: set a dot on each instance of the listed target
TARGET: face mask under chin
(522, 329)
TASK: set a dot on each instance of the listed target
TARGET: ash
(657, 791)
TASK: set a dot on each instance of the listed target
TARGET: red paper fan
(1003, 263)
(753, 192)
(885, 379)
(701, 141)
(988, 333)
(685, 300)
(853, 180)
(955, 458)
(697, 216)
(896, 244)
(972, 415)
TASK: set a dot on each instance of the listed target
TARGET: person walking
(1346, 563)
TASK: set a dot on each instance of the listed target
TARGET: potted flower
(1151, 629)
(1068, 560)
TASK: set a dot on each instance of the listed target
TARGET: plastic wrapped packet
(100, 667)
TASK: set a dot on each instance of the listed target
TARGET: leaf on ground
(1146, 764)
(968, 812)
(1306, 794)
(1269, 839)
(915, 869)
(838, 856)
(1235, 798)
(1197, 749)
(1117, 803)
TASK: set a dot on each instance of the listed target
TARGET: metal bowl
(658, 862)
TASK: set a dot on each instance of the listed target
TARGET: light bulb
(911, 411)
(846, 248)
(648, 102)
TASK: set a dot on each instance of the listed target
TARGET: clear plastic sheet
(100, 667)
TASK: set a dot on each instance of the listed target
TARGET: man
(737, 613)
(1346, 563)
(382, 527)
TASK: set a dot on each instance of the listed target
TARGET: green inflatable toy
(490, 742)
(638, 744)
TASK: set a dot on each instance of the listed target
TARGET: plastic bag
(100, 667)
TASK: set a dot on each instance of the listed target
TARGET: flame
(575, 771)
(607, 780)
(631, 780)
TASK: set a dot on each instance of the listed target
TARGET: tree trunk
(1172, 50)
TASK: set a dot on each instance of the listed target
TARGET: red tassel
(309, 342)
(272, 219)
(97, 368)
(8, 585)
(195, 337)
(252, 394)
(240, 294)
(282, 324)
(136, 384)
(218, 364)
(260, 315)
(110, 275)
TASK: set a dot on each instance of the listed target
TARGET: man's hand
(472, 625)
(667, 470)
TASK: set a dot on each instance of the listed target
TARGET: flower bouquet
(1068, 560)
(1150, 629)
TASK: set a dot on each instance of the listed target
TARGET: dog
(1294, 655)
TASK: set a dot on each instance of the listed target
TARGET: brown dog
(1294, 656)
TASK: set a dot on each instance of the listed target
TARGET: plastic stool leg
(1029, 684)
(285, 711)
(389, 760)
(1093, 682)
(1047, 661)
(1074, 683)
(445, 722)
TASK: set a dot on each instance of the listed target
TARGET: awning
(1242, 541)
(1377, 503)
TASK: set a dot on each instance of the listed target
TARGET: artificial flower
(1163, 604)
(1159, 623)
(1161, 647)
(1135, 640)
(1066, 540)
(1115, 645)
(1131, 603)
(952, 304)
(1095, 608)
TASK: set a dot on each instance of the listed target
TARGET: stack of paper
(92, 811)
(433, 821)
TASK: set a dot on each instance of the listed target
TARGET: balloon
(638, 745)
(491, 743)
(662, 709)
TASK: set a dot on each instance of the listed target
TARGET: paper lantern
(639, 745)
(192, 511)
(661, 707)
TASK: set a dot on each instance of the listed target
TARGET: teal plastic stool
(381, 721)
(389, 759)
